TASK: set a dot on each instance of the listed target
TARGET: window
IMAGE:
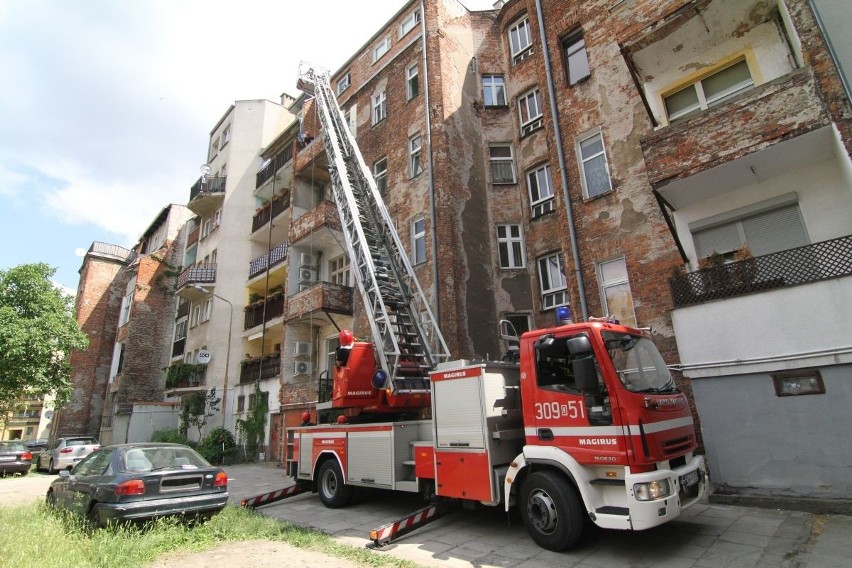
(381, 49)
(615, 291)
(798, 382)
(196, 316)
(711, 90)
(494, 90)
(521, 322)
(208, 310)
(352, 119)
(226, 137)
(206, 228)
(214, 148)
(380, 173)
(214, 256)
(551, 278)
(576, 59)
(520, 41)
(180, 330)
(554, 366)
(379, 107)
(338, 269)
(126, 303)
(413, 86)
(529, 107)
(502, 163)
(241, 403)
(343, 84)
(409, 23)
(541, 191)
(418, 240)
(217, 218)
(764, 232)
(595, 172)
(415, 164)
(510, 244)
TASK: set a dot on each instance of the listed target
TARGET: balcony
(264, 311)
(793, 267)
(321, 297)
(203, 274)
(275, 257)
(268, 367)
(764, 116)
(278, 162)
(185, 376)
(323, 215)
(270, 212)
(207, 195)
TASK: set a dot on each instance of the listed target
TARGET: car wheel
(51, 499)
(94, 517)
(551, 511)
(333, 491)
(50, 469)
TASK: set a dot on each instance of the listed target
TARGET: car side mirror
(580, 346)
(64, 473)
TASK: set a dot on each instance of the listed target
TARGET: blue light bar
(563, 315)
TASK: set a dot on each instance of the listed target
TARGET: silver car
(66, 452)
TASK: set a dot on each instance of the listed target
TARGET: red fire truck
(582, 419)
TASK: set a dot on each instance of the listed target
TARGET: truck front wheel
(333, 491)
(551, 511)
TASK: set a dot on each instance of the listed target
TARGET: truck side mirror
(585, 374)
(580, 346)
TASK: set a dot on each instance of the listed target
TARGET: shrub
(218, 447)
(171, 435)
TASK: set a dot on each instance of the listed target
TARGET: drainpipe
(431, 165)
(563, 176)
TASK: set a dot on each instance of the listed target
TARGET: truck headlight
(652, 490)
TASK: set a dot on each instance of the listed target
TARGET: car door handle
(545, 434)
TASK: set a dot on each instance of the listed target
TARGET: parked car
(66, 452)
(15, 458)
(36, 445)
(138, 482)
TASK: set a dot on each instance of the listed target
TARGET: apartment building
(219, 341)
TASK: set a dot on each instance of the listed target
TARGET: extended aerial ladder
(408, 342)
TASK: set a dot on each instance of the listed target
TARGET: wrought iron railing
(276, 256)
(197, 274)
(255, 313)
(270, 211)
(267, 368)
(802, 265)
(206, 185)
(274, 165)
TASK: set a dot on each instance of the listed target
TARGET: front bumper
(689, 483)
(150, 509)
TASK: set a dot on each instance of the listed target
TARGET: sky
(106, 105)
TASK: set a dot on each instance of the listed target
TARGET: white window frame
(510, 246)
(126, 305)
(382, 48)
(540, 180)
(380, 175)
(412, 81)
(380, 110)
(573, 47)
(705, 102)
(530, 111)
(583, 160)
(552, 281)
(206, 228)
(181, 327)
(500, 162)
(418, 240)
(207, 313)
(338, 270)
(409, 23)
(626, 319)
(343, 83)
(196, 315)
(415, 156)
(495, 85)
(520, 40)
(217, 218)
(226, 137)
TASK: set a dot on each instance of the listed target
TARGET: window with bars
(711, 90)
(510, 244)
(520, 40)
(415, 151)
(502, 163)
(530, 113)
(551, 278)
(380, 174)
(594, 170)
(494, 90)
(379, 107)
(615, 291)
(540, 188)
(575, 57)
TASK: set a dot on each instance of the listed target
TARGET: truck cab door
(571, 408)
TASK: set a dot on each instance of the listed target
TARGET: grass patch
(36, 536)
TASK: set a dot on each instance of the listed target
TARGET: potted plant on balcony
(714, 274)
(745, 267)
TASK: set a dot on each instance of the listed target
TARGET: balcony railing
(185, 375)
(255, 312)
(197, 274)
(267, 368)
(274, 165)
(276, 256)
(208, 185)
(802, 265)
(270, 211)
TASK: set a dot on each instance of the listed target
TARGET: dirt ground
(21, 490)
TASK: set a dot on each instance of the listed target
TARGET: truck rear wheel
(551, 510)
(333, 491)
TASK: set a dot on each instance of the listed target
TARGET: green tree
(37, 333)
(197, 408)
(251, 428)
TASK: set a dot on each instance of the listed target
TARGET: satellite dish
(206, 169)
(49, 414)
(203, 357)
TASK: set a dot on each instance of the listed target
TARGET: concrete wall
(141, 424)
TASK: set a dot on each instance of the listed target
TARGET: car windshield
(639, 365)
(11, 447)
(152, 458)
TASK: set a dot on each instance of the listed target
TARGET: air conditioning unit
(307, 260)
(307, 275)
(302, 348)
(302, 368)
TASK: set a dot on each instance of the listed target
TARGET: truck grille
(677, 445)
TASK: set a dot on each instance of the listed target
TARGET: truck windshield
(639, 365)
